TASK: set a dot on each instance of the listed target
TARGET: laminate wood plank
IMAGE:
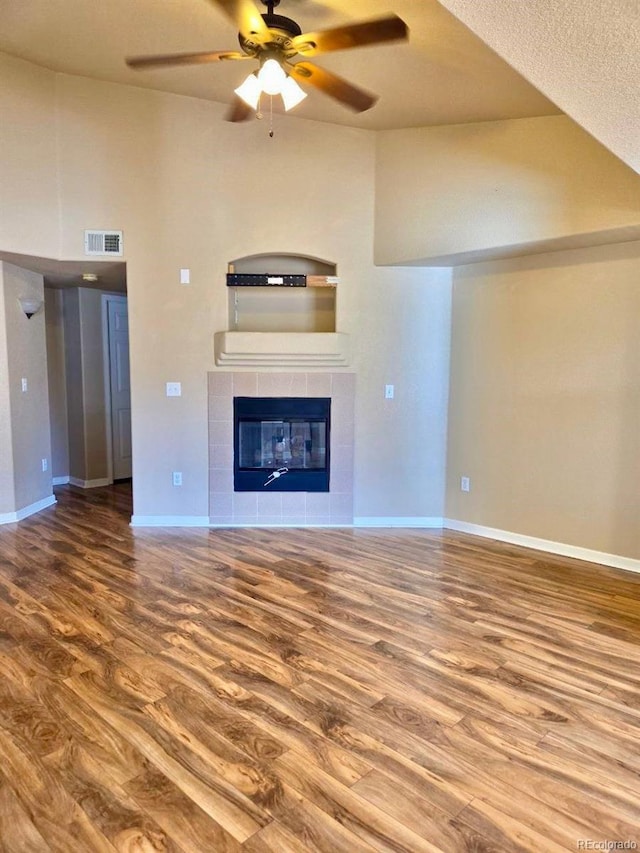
(360, 816)
(55, 814)
(106, 804)
(17, 832)
(181, 818)
(220, 800)
(325, 689)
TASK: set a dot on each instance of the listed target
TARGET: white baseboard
(560, 548)
(89, 484)
(60, 481)
(18, 515)
(260, 525)
(169, 521)
(400, 521)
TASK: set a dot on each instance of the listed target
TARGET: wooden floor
(291, 690)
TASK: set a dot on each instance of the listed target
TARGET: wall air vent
(103, 242)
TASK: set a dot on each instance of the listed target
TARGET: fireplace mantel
(281, 349)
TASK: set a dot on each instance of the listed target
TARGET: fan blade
(390, 28)
(184, 58)
(247, 18)
(334, 86)
(239, 111)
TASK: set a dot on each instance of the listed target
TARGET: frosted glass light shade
(272, 77)
(250, 91)
(291, 93)
(30, 305)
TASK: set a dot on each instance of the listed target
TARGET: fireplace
(281, 444)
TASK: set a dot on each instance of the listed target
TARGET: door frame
(106, 363)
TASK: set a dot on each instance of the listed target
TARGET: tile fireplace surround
(312, 509)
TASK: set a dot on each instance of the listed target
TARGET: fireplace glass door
(281, 444)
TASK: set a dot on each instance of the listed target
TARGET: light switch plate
(174, 389)
(185, 276)
(389, 391)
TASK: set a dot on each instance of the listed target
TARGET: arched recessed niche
(282, 309)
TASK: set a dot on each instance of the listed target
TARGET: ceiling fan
(281, 48)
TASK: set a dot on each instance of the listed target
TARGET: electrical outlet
(177, 478)
(174, 389)
(45, 464)
(24, 384)
(389, 391)
(465, 484)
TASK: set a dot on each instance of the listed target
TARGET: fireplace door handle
(275, 474)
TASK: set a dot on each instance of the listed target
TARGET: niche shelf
(279, 326)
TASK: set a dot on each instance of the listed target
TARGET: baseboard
(258, 525)
(399, 521)
(18, 515)
(60, 481)
(169, 521)
(89, 484)
(560, 548)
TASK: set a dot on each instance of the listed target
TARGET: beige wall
(454, 194)
(29, 411)
(29, 214)
(57, 377)
(200, 198)
(7, 489)
(544, 412)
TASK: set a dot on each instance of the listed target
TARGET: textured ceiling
(585, 56)
(444, 75)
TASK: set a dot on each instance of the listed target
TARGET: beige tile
(342, 431)
(318, 384)
(318, 504)
(341, 479)
(220, 408)
(221, 505)
(344, 384)
(297, 520)
(299, 385)
(270, 519)
(245, 503)
(221, 456)
(341, 508)
(221, 432)
(245, 384)
(221, 481)
(294, 503)
(317, 521)
(275, 384)
(249, 520)
(221, 520)
(220, 383)
(270, 503)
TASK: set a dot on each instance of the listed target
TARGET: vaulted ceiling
(444, 75)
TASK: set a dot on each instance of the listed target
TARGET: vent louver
(103, 242)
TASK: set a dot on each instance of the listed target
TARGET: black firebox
(281, 444)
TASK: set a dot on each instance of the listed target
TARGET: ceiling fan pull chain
(271, 116)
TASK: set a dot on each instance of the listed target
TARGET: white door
(118, 326)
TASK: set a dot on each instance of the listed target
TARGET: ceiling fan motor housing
(282, 30)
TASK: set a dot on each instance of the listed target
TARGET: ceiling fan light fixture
(250, 91)
(292, 94)
(272, 77)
